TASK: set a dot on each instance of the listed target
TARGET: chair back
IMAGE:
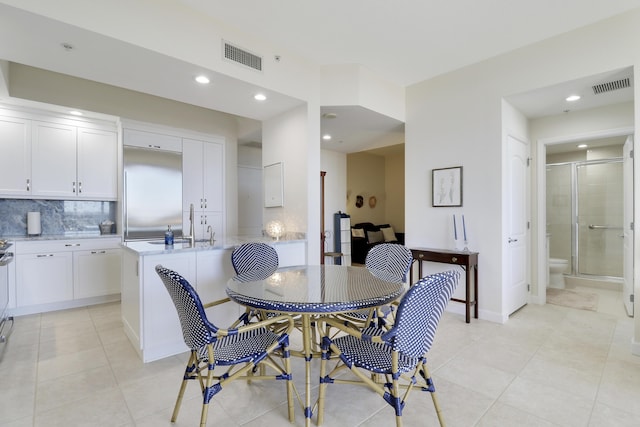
(197, 331)
(258, 258)
(419, 313)
(391, 258)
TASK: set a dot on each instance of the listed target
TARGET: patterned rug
(572, 299)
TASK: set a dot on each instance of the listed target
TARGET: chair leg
(192, 367)
(207, 394)
(432, 390)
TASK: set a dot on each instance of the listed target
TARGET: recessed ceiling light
(329, 115)
(75, 112)
(260, 97)
(572, 98)
(326, 137)
(203, 80)
(582, 145)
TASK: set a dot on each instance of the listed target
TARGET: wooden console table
(467, 260)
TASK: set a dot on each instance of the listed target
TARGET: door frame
(541, 193)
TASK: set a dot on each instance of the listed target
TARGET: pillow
(357, 232)
(389, 234)
(375, 236)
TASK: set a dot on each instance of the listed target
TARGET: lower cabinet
(44, 278)
(96, 273)
(58, 274)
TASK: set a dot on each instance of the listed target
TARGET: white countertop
(157, 247)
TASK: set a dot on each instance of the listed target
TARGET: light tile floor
(547, 366)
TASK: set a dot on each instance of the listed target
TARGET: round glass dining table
(314, 290)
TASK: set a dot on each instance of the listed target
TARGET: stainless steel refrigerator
(152, 193)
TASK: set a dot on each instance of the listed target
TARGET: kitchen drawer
(45, 246)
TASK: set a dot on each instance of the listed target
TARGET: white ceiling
(404, 41)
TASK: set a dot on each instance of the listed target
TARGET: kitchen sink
(161, 242)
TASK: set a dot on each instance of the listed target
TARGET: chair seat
(243, 347)
(374, 357)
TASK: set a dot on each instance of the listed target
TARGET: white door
(627, 233)
(516, 290)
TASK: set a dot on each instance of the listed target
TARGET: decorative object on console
(446, 187)
(275, 229)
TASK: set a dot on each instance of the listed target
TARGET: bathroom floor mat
(572, 299)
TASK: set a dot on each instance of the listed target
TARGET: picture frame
(446, 187)
(273, 185)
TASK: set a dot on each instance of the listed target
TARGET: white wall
(455, 119)
(283, 140)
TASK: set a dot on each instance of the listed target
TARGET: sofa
(366, 235)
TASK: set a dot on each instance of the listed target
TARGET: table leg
(306, 348)
(468, 294)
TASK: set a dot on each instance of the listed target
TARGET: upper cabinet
(203, 185)
(15, 143)
(58, 158)
(74, 162)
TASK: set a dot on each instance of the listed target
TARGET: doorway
(587, 223)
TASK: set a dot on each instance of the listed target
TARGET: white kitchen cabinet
(97, 164)
(203, 185)
(73, 162)
(15, 140)
(153, 140)
(57, 274)
(96, 273)
(54, 160)
(43, 278)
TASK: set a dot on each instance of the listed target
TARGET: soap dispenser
(168, 236)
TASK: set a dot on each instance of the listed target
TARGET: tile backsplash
(57, 216)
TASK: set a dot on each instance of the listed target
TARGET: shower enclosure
(585, 216)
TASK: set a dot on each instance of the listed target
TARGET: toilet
(557, 268)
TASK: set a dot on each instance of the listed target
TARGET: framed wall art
(446, 187)
(273, 185)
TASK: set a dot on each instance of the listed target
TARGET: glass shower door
(599, 219)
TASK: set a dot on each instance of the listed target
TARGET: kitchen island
(148, 314)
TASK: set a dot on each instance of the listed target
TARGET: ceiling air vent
(241, 56)
(611, 86)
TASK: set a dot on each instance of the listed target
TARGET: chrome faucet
(211, 235)
(192, 232)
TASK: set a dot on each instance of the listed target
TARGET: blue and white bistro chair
(255, 257)
(391, 362)
(388, 261)
(257, 261)
(233, 354)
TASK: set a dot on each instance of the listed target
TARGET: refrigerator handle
(124, 206)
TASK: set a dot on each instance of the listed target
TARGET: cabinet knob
(73, 186)
(454, 259)
(28, 184)
(421, 256)
(79, 187)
